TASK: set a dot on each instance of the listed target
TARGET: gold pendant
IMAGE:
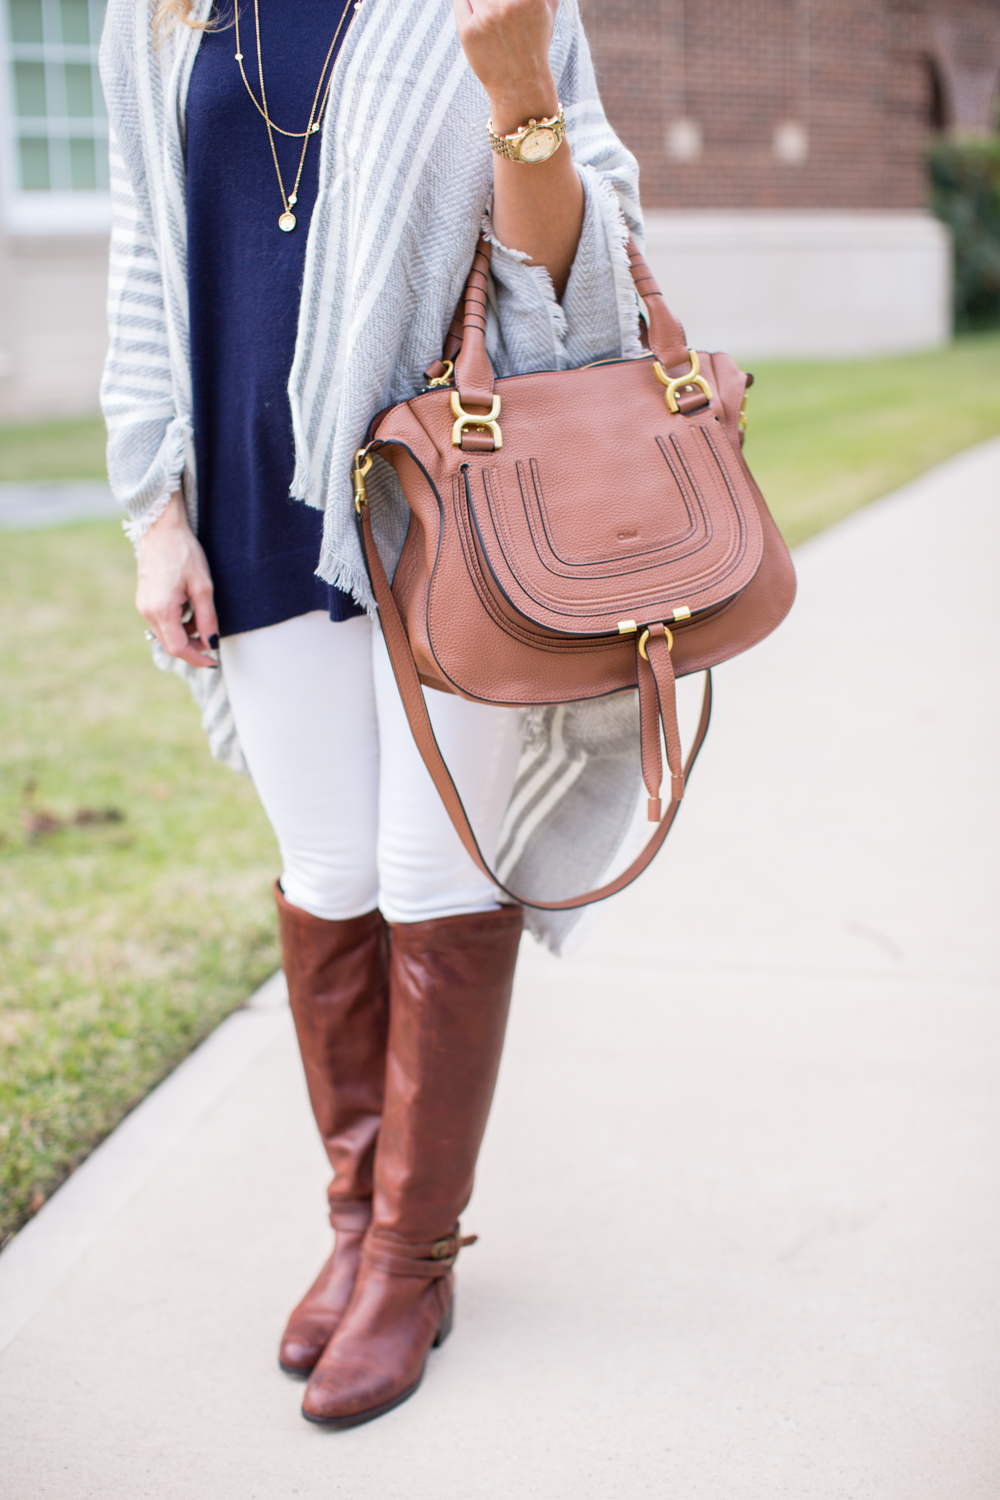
(286, 222)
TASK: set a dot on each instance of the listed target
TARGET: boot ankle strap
(429, 1259)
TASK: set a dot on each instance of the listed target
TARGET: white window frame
(81, 211)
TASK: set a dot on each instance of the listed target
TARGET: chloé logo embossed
(628, 535)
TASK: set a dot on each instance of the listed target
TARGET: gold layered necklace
(286, 220)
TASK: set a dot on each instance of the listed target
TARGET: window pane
(29, 86)
(79, 99)
(75, 20)
(54, 78)
(82, 164)
(26, 20)
(34, 162)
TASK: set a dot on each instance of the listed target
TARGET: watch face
(538, 144)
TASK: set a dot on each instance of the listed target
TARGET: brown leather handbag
(573, 533)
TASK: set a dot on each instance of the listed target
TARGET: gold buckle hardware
(469, 419)
(742, 420)
(645, 637)
(694, 377)
(627, 627)
(362, 463)
(446, 378)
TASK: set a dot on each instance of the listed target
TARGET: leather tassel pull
(659, 644)
(649, 730)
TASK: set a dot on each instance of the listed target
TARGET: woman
(291, 237)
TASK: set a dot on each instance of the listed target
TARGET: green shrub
(965, 194)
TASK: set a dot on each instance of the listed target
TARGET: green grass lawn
(135, 909)
(53, 450)
(134, 872)
(824, 439)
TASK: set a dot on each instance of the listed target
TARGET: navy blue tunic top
(244, 286)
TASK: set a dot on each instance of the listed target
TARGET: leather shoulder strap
(411, 692)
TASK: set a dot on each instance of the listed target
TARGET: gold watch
(534, 142)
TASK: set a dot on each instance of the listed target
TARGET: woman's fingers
(178, 637)
(205, 623)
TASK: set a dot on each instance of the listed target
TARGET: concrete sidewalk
(739, 1203)
(53, 502)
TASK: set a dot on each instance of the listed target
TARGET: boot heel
(446, 1324)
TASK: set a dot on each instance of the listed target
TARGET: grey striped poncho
(405, 185)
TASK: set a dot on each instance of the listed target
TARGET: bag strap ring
(645, 637)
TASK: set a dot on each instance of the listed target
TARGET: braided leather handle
(473, 371)
(466, 339)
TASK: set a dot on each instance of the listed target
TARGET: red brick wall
(852, 74)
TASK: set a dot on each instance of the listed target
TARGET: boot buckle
(448, 1249)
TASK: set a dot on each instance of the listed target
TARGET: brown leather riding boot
(338, 986)
(450, 984)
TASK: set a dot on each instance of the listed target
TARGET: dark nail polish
(213, 641)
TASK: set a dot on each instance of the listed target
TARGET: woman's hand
(173, 571)
(538, 206)
(507, 44)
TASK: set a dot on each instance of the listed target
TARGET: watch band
(510, 145)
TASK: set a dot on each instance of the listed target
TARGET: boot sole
(358, 1418)
(298, 1372)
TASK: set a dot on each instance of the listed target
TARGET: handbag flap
(602, 505)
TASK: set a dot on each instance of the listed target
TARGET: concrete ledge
(805, 284)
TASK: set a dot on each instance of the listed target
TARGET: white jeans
(357, 818)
